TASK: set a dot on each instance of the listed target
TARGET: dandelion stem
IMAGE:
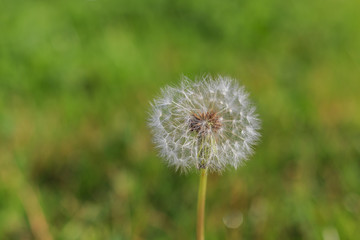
(201, 205)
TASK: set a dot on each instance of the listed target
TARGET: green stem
(201, 205)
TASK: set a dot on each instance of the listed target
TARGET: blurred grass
(75, 81)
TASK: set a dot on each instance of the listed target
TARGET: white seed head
(209, 123)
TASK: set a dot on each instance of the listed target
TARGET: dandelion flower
(206, 124)
(209, 124)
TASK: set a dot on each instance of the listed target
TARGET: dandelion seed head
(208, 123)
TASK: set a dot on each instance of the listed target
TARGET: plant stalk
(201, 205)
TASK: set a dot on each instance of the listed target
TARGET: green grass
(76, 78)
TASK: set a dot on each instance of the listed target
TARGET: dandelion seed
(209, 123)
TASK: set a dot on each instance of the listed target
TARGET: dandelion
(207, 125)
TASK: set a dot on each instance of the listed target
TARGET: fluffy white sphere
(209, 123)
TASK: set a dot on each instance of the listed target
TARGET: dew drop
(233, 219)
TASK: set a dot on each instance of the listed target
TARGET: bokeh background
(76, 78)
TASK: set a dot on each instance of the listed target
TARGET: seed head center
(205, 122)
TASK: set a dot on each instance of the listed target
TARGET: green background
(76, 79)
